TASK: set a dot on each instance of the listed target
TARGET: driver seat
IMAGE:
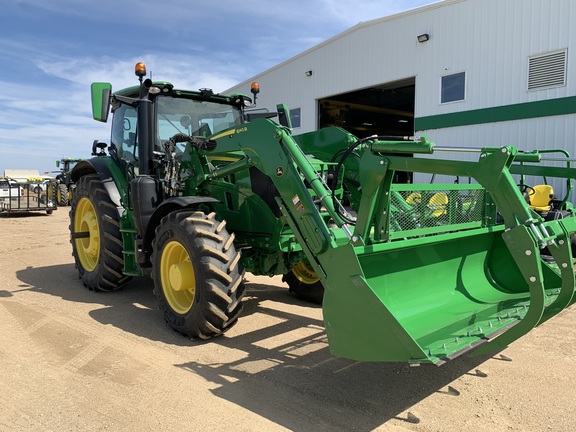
(542, 197)
(438, 204)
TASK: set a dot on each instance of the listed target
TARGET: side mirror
(98, 148)
(284, 116)
(101, 92)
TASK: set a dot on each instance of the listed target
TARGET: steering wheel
(525, 189)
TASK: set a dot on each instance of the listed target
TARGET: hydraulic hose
(343, 158)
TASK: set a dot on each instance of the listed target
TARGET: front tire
(62, 195)
(95, 236)
(304, 283)
(197, 275)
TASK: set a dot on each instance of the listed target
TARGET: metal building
(468, 73)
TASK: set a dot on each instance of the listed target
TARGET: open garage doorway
(386, 109)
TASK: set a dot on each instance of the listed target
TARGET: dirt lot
(73, 360)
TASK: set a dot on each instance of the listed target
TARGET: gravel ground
(74, 360)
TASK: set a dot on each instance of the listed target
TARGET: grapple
(425, 273)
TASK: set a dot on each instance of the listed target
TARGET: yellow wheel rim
(86, 228)
(177, 277)
(305, 274)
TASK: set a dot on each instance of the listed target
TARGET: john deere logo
(279, 172)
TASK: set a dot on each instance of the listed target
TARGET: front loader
(194, 190)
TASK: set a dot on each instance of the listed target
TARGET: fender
(104, 167)
(167, 206)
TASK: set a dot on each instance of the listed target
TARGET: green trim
(545, 108)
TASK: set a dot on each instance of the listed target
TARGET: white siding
(491, 40)
(546, 133)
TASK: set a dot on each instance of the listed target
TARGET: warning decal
(298, 204)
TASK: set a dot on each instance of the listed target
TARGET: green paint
(546, 108)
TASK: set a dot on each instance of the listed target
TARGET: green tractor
(194, 190)
(65, 184)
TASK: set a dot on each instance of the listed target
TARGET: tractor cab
(145, 117)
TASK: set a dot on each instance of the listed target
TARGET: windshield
(193, 117)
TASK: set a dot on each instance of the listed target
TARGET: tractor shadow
(285, 372)
(133, 308)
(24, 214)
(275, 361)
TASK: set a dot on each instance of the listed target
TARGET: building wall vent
(547, 70)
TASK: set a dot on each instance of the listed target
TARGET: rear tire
(95, 236)
(197, 275)
(62, 195)
(304, 283)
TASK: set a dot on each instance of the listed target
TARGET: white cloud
(183, 71)
(45, 78)
(39, 123)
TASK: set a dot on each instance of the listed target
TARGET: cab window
(193, 117)
(124, 133)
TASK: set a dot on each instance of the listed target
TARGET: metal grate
(421, 212)
(547, 70)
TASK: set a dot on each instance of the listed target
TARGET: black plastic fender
(101, 167)
(167, 206)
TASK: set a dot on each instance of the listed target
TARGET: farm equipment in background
(31, 195)
(541, 198)
(408, 272)
(65, 184)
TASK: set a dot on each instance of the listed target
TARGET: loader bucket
(425, 272)
(450, 283)
(430, 300)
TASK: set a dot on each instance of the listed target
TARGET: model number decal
(230, 133)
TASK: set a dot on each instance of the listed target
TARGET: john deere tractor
(65, 183)
(194, 190)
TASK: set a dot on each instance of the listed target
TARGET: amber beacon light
(140, 69)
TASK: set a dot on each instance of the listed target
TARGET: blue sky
(52, 50)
